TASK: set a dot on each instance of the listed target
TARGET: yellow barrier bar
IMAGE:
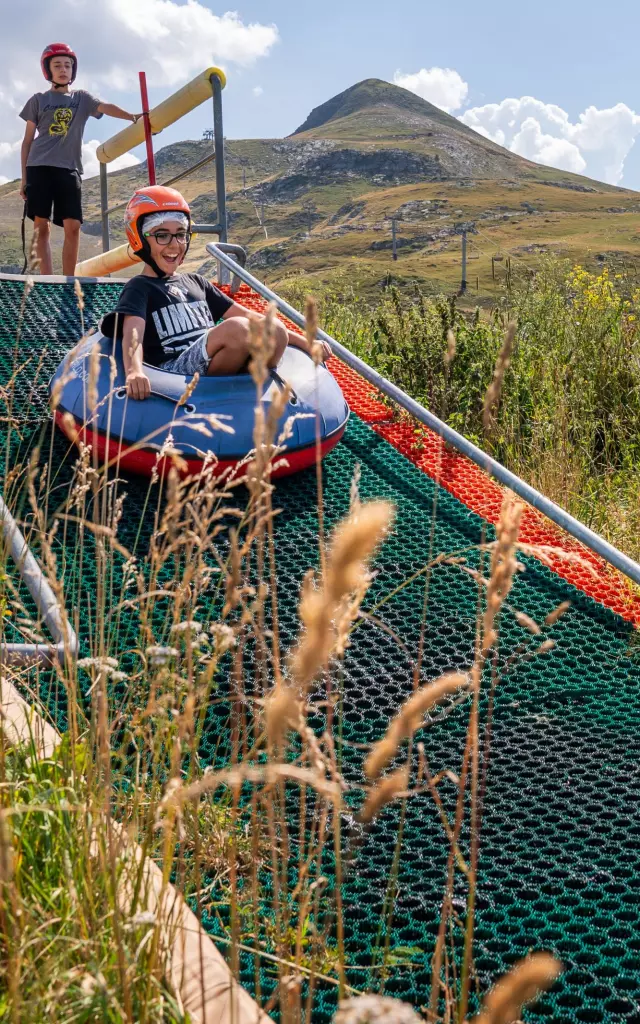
(174, 107)
(107, 262)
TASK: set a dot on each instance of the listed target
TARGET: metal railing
(220, 228)
(65, 640)
(563, 519)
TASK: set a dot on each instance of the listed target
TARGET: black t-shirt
(177, 310)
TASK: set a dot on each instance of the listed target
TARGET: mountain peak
(372, 92)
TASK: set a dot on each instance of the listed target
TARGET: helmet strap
(146, 257)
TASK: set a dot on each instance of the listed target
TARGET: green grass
(68, 951)
(569, 419)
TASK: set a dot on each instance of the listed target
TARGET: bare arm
(113, 110)
(299, 341)
(29, 134)
(137, 382)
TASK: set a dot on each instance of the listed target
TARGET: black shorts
(57, 188)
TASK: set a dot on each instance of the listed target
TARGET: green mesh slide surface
(560, 845)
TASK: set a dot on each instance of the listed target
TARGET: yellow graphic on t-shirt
(61, 121)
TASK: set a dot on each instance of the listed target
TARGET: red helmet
(154, 199)
(57, 50)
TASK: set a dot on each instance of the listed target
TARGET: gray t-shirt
(60, 119)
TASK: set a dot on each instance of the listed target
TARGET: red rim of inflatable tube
(144, 461)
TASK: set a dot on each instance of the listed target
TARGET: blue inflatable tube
(131, 433)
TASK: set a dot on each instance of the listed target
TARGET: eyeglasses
(164, 237)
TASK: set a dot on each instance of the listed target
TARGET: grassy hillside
(319, 202)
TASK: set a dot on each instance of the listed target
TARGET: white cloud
(3, 180)
(597, 144)
(442, 86)
(172, 40)
(10, 158)
(91, 163)
(534, 144)
(257, 90)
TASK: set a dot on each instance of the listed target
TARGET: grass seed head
(503, 1004)
(450, 350)
(504, 565)
(383, 792)
(527, 622)
(545, 646)
(7, 857)
(77, 287)
(282, 713)
(69, 424)
(188, 391)
(94, 373)
(311, 329)
(494, 391)
(557, 613)
(354, 541)
(410, 717)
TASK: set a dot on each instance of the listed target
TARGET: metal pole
(66, 641)
(548, 508)
(463, 282)
(393, 238)
(104, 207)
(218, 133)
(221, 187)
(151, 164)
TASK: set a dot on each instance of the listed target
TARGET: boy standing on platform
(52, 154)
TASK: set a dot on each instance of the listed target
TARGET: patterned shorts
(194, 359)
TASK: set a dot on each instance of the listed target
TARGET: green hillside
(320, 201)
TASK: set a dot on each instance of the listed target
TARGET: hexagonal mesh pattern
(560, 849)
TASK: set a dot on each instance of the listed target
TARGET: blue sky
(567, 53)
(576, 63)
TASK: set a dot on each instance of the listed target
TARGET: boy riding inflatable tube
(172, 359)
(131, 435)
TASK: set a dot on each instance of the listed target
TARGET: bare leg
(43, 244)
(228, 345)
(71, 246)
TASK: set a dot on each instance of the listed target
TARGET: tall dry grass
(183, 620)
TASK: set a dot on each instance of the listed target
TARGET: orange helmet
(154, 199)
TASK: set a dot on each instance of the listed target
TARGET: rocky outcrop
(573, 186)
(269, 257)
(384, 166)
(348, 212)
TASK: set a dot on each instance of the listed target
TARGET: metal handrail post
(563, 519)
(218, 136)
(104, 207)
(218, 141)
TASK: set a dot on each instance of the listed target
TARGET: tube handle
(188, 407)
